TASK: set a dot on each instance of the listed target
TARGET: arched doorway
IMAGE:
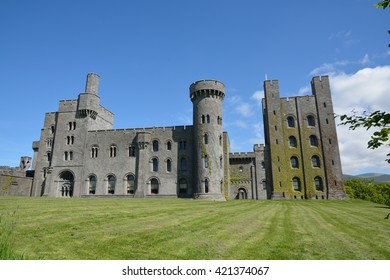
(241, 194)
(66, 183)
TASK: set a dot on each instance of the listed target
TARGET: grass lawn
(50, 228)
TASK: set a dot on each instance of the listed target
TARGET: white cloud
(244, 109)
(240, 124)
(335, 68)
(366, 90)
(258, 96)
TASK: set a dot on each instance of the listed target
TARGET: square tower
(303, 159)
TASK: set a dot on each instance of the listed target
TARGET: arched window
(94, 152)
(66, 181)
(154, 185)
(311, 121)
(296, 184)
(294, 162)
(132, 151)
(206, 138)
(206, 185)
(203, 119)
(208, 118)
(112, 151)
(155, 146)
(183, 186)
(290, 122)
(315, 161)
(130, 180)
(155, 164)
(183, 164)
(313, 140)
(292, 141)
(92, 184)
(206, 161)
(169, 165)
(318, 184)
(169, 145)
(111, 180)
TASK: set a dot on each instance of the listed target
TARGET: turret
(207, 97)
(88, 102)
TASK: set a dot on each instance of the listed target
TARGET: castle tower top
(92, 85)
(207, 87)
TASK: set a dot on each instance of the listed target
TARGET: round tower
(207, 97)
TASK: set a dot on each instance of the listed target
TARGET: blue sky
(147, 54)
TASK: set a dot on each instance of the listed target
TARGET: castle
(79, 154)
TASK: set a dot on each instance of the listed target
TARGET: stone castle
(79, 154)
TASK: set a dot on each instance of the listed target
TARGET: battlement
(147, 129)
(207, 87)
(67, 105)
(238, 155)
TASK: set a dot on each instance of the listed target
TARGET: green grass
(48, 228)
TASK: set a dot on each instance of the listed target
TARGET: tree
(377, 119)
(383, 4)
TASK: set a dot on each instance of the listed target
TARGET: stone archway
(65, 184)
(242, 194)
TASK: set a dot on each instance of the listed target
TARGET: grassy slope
(49, 228)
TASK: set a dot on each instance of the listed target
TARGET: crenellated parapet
(204, 88)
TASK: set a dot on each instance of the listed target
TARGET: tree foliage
(383, 4)
(365, 189)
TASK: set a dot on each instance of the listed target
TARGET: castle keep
(79, 154)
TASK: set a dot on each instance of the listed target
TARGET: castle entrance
(241, 194)
(65, 183)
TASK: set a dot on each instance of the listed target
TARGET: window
(68, 155)
(92, 184)
(318, 184)
(313, 141)
(206, 161)
(208, 118)
(132, 151)
(154, 185)
(206, 185)
(264, 183)
(296, 184)
(290, 122)
(49, 143)
(111, 184)
(262, 164)
(155, 146)
(155, 164)
(130, 180)
(183, 186)
(182, 145)
(220, 162)
(48, 156)
(220, 140)
(169, 165)
(241, 169)
(69, 140)
(311, 121)
(206, 138)
(203, 119)
(315, 161)
(169, 145)
(71, 125)
(293, 141)
(219, 120)
(94, 152)
(294, 162)
(52, 129)
(112, 151)
(183, 164)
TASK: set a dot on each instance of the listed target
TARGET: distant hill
(377, 177)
